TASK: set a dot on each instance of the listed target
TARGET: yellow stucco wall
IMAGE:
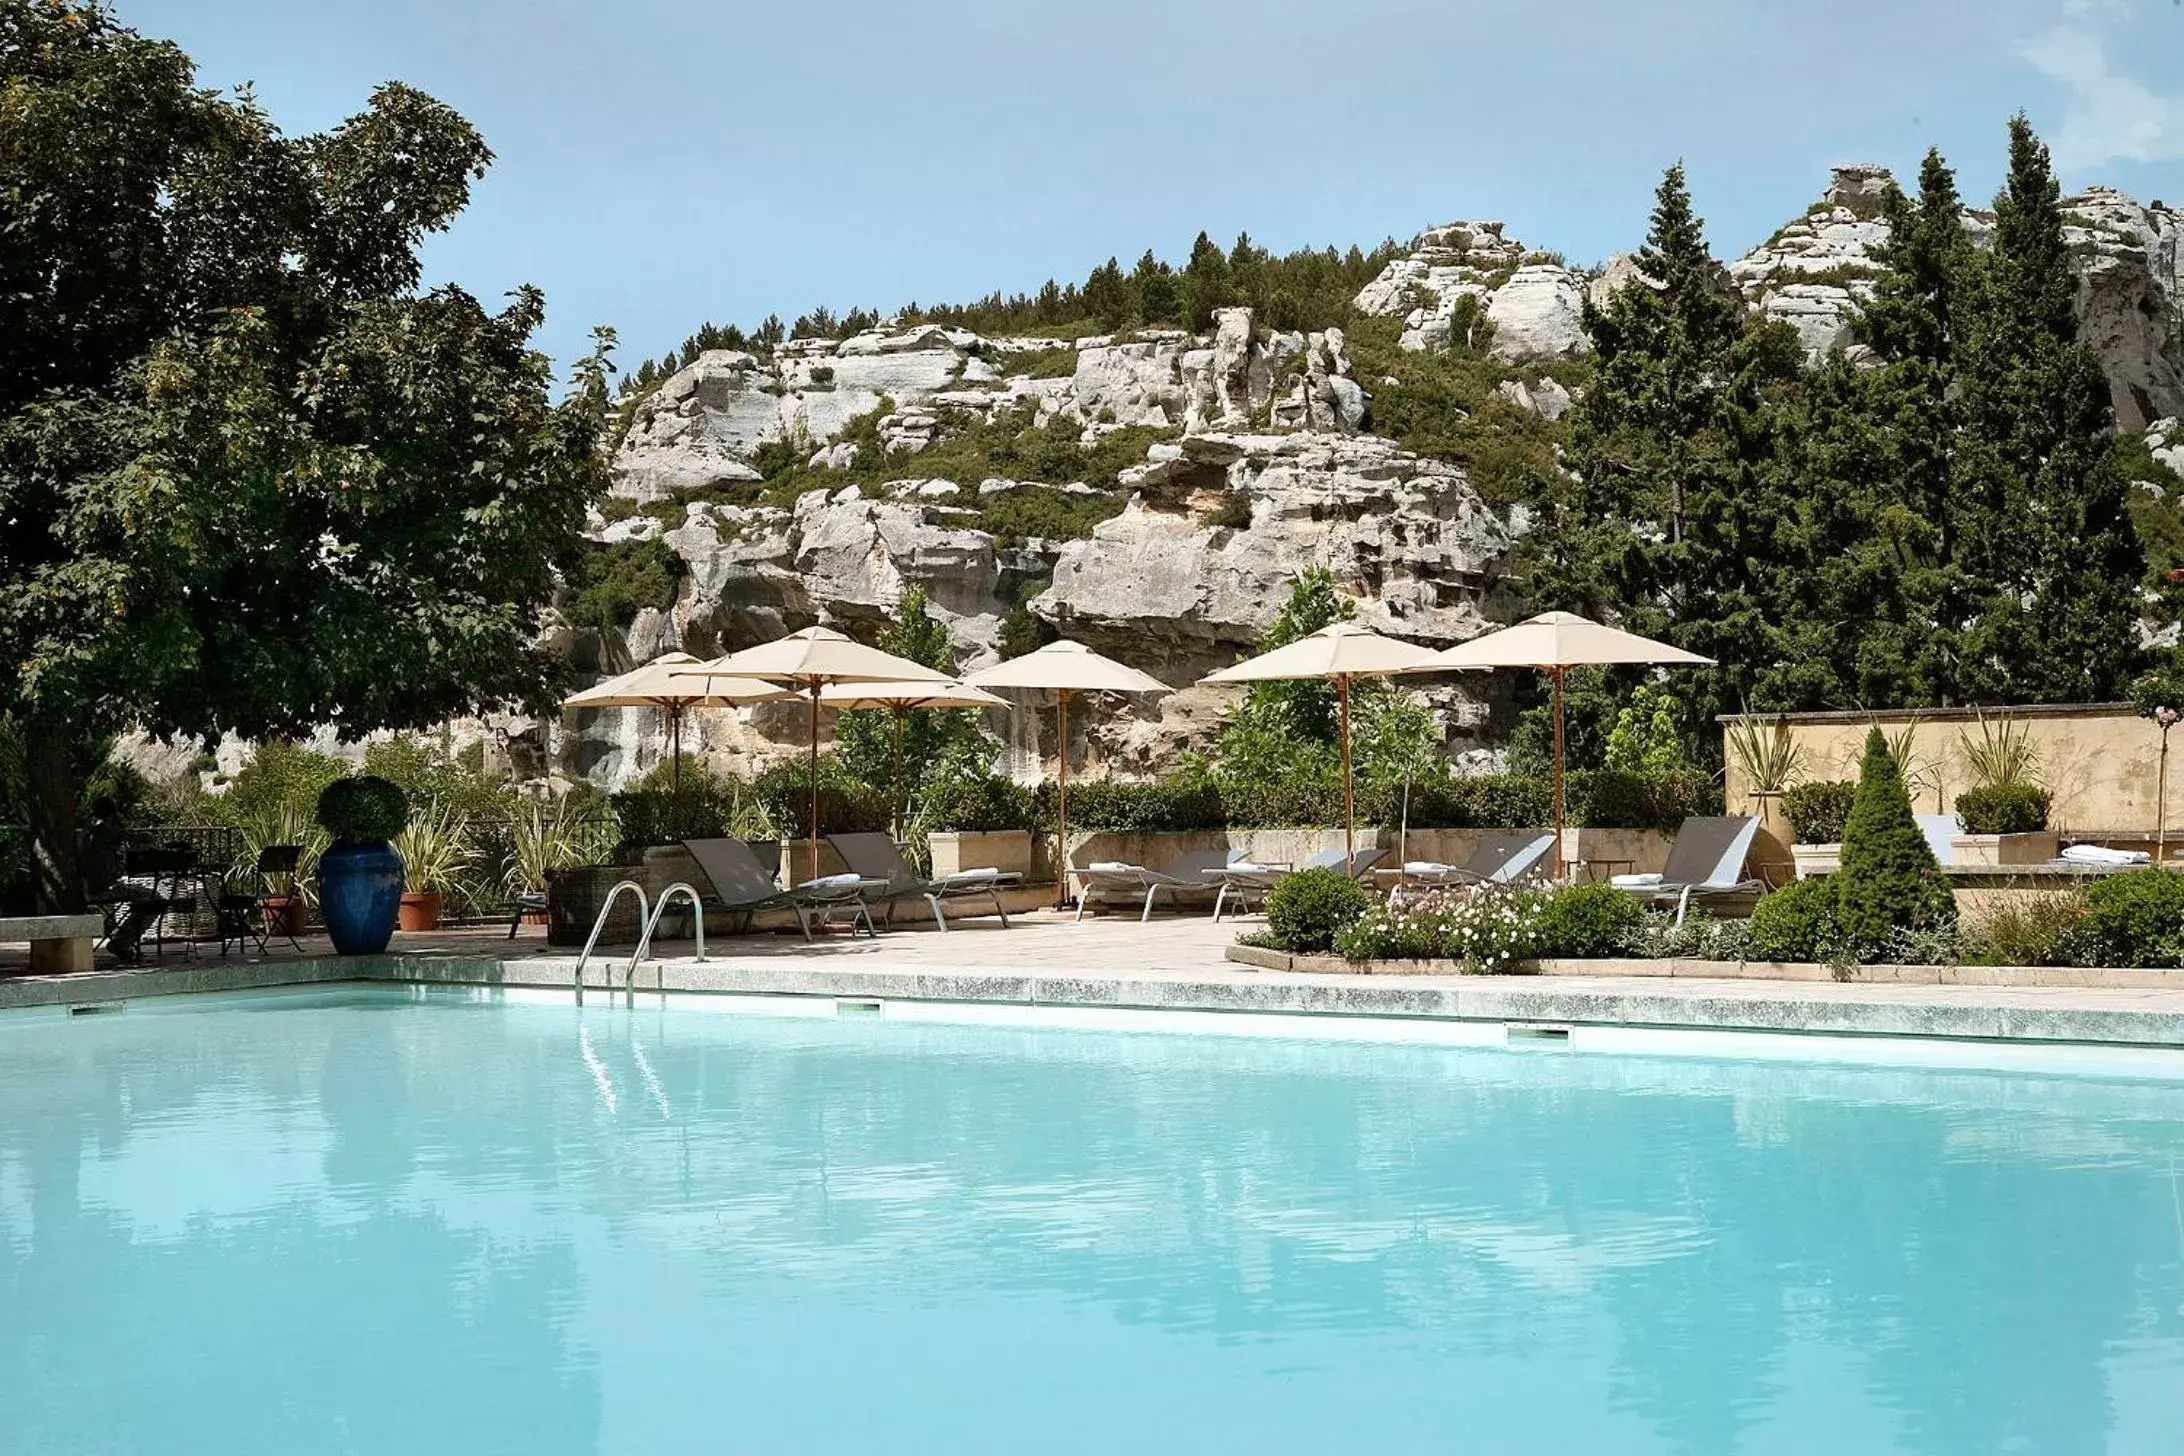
(2098, 762)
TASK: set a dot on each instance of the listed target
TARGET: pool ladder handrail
(599, 923)
(659, 911)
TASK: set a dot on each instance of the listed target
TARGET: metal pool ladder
(649, 916)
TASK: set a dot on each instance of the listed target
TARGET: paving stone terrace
(1178, 963)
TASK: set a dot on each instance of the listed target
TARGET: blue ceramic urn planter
(360, 891)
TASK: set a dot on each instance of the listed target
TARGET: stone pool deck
(1178, 963)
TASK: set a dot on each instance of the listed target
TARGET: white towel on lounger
(1425, 867)
(1113, 867)
(1634, 882)
(2097, 854)
(829, 882)
(963, 876)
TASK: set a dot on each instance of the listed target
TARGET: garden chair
(1500, 860)
(1190, 874)
(244, 908)
(877, 857)
(1246, 881)
(743, 886)
(1705, 862)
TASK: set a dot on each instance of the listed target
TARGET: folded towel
(2096, 854)
(829, 882)
(961, 876)
(1113, 867)
(1246, 867)
(1634, 882)
(1425, 867)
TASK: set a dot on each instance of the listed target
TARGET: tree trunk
(52, 762)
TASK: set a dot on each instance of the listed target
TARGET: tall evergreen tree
(2047, 531)
(1668, 523)
(1205, 284)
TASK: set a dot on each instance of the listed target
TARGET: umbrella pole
(674, 749)
(1558, 865)
(815, 778)
(902, 806)
(1061, 807)
(1349, 809)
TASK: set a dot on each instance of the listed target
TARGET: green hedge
(1819, 810)
(2003, 809)
(1488, 801)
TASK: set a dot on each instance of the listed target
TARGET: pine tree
(1669, 521)
(1157, 295)
(1109, 297)
(2047, 530)
(1205, 284)
(1890, 880)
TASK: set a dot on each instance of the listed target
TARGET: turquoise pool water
(378, 1222)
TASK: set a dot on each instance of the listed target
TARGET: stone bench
(58, 943)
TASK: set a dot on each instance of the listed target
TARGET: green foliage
(1306, 910)
(976, 802)
(429, 772)
(2029, 929)
(555, 834)
(2003, 755)
(2004, 808)
(1486, 934)
(1136, 808)
(254, 479)
(2159, 692)
(2135, 919)
(1889, 880)
(1587, 921)
(1819, 810)
(436, 847)
(1033, 512)
(1023, 630)
(362, 809)
(710, 805)
(845, 805)
(279, 777)
(1445, 405)
(1648, 735)
(614, 583)
(1799, 922)
(933, 741)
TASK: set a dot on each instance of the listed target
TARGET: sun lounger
(1941, 832)
(1706, 861)
(1500, 860)
(876, 857)
(1112, 879)
(1241, 881)
(742, 885)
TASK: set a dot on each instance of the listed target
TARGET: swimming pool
(386, 1220)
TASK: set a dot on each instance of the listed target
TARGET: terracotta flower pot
(284, 915)
(419, 911)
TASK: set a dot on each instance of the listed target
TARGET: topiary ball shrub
(1889, 880)
(1797, 922)
(1818, 811)
(2003, 809)
(2131, 920)
(1584, 922)
(1304, 911)
(364, 809)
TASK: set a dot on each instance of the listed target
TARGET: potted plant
(359, 874)
(1817, 811)
(2002, 818)
(1769, 757)
(434, 845)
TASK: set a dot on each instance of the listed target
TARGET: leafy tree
(251, 479)
(934, 740)
(1889, 880)
(1648, 735)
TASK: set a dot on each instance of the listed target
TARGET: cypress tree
(1890, 880)
(2043, 508)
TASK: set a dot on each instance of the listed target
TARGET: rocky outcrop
(1815, 272)
(1169, 589)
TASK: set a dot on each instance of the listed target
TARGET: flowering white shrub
(1487, 932)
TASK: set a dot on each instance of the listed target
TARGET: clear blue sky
(662, 165)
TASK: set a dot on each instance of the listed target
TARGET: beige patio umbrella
(1065, 669)
(900, 699)
(1555, 642)
(655, 685)
(813, 659)
(1340, 653)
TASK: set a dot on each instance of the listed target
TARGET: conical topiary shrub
(1890, 880)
